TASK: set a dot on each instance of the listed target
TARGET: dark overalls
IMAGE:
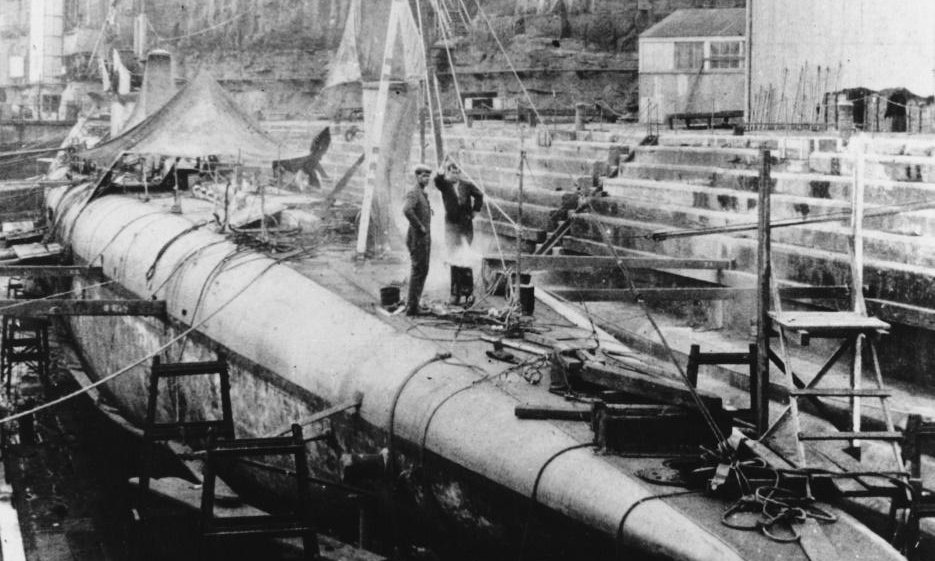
(419, 241)
(461, 199)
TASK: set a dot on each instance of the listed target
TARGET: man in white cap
(418, 239)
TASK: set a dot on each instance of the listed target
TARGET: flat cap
(421, 168)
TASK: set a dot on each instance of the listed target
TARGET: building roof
(720, 22)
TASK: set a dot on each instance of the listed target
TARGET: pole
(856, 250)
(519, 217)
(759, 385)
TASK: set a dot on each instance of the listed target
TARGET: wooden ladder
(155, 431)
(298, 523)
(856, 331)
(23, 340)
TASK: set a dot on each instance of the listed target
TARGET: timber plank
(655, 387)
(820, 322)
(508, 230)
(48, 272)
(691, 293)
(29, 308)
(574, 262)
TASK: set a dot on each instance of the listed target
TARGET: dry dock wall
(699, 180)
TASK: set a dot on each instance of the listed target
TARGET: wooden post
(856, 250)
(374, 152)
(519, 219)
(759, 384)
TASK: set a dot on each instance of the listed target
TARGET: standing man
(418, 239)
(462, 199)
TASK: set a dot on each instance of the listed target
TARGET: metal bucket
(389, 296)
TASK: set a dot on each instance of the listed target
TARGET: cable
(203, 30)
(702, 408)
(51, 296)
(135, 363)
(391, 425)
(509, 62)
(162, 250)
(454, 77)
(535, 491)
(623, 519)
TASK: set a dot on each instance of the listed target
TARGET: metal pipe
(888, 210)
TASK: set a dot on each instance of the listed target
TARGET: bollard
(579, 115)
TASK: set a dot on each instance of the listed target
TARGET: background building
(801, 51)
(693, 62)
(31, 79)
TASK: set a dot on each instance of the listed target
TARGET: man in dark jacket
(462, 199)
(418, 239)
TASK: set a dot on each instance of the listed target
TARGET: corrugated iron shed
(721, 22)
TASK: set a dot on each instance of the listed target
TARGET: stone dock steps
(782, 205)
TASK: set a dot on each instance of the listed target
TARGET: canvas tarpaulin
(360, 56)
(200, 120)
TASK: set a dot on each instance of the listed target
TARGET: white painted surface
(877, 43)
(319, 341)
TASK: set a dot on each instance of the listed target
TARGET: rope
(509, 62)
(51, 296)
(120, 231)
(152, 268)
(446, 35)
(391, 427)
(623, 519)
(200, 31)
(705, 413)
(428, 85)
(535, 491)
(135, 363)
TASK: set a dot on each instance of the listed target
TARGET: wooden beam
(31, 308)
(543, 412)
(509, 231)
(48, 271)
(573, 262)
(20, 215)
(644, 384)
(692, 293)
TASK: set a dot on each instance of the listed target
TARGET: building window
(726, 54)
(689, 55)
(50, 103)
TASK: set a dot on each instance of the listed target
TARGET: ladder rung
(22, 341)
(863, 435)
(24, 356)
(257, 446)
(189, 368)
(724, 358)
(162, 431)
(257, 525)
(842, 392)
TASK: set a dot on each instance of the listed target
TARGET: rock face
(274, 54)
